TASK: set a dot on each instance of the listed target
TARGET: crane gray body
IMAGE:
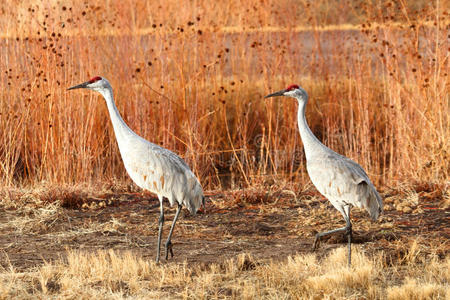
(150, 166)
(342, 181)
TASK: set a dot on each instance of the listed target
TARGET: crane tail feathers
(194, 197)
(373, 202)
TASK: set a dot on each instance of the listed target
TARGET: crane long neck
(121, 129)
(311, 144)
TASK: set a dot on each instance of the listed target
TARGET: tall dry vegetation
(191, 77)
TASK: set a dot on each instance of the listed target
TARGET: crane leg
(161, 223)
(348, 232)
(169, 243)
(347, 229)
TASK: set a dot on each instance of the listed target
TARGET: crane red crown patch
(94, 79)
(292, 87)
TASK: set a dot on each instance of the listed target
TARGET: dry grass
(110, 274)
(403, 256)
(191, 78)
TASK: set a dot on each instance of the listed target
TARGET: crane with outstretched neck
(150, 166)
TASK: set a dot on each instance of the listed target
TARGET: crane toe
(316, 242)
(169, 248)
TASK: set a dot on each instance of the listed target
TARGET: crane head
(96, 83)
(293, 91)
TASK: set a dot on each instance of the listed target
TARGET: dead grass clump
(44, 194)
(110, 274)
(66, 196)
(307, 277)
(421, 275)
(104, 270)
(27, 219)
(336, 274)
(413, 290)
(273, 198)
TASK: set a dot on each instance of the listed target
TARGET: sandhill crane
(150, 166)
(342, 181)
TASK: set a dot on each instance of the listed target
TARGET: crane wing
(154, 168)
(343, 182)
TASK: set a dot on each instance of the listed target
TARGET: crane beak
(80, 86)
(279, 93)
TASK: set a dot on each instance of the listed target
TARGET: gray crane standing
(342, 181)
(150, 166)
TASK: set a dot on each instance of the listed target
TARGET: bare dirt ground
(271, 230)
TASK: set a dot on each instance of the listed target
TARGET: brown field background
(191, 77)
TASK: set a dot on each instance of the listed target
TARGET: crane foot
(316, 242)
(169, 248)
